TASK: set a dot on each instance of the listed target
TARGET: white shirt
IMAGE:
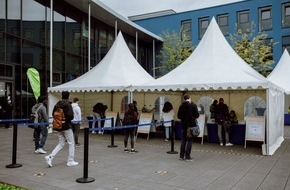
(168, 117)
(77, 113)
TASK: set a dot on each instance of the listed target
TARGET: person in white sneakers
(41, 131)
(66, 133)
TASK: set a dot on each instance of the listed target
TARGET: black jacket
(188, 114)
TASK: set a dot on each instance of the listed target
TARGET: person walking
(66, 133)
(221, 118)
(130, 118)
(40, 109)
(76, 122)
(167, 115)
(188, 114)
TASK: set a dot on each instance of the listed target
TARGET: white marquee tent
(281, 77)
(117, 71)
(214, 65)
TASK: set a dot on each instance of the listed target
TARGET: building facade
(269, 16)
(25, 43)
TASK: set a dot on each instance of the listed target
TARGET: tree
(174, 50)
(253, 49)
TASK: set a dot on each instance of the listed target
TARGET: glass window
(159, 103)
(202, 25)
(186, 29)
(223, 21)
(27, 34)
(254, 106)
(286, 43)
(204, 104)
(286, 15)
(265, 19)
(244, 21)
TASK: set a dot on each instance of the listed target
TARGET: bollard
(14, 165)
(112, 134)
(172, 139)
(85, 178)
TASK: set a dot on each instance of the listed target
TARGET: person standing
(76, 122)
(212, 109)
(130, 118)
(167, 115)
(221, 118)
(188, 114)
(66, 133)
(40, 109)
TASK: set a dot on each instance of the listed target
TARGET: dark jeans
(76, 131)
(186, 144)
(39, 143)
(131, 133)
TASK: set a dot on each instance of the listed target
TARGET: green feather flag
(34, 79)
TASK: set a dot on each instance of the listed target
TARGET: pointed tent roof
(212, 65)
(280, 75)
(117, 71)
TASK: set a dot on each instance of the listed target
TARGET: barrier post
(112, 134)
(172, 139)
(14, 150)
(85, 178)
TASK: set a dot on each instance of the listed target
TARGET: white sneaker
(72, 163)
(41, 151)
(48, 160)
(94, 132)
(221, 144)
(229, 144)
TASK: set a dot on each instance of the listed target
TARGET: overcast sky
(136, 7)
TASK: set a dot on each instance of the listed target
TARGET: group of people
(224, 119)
(68, 134)
(187, 113)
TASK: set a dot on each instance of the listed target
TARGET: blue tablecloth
(237, 135)
(286, 119)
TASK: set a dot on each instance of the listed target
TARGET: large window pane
(186, 29)
(286, 15)
(223, 21)
(202, 25)
(244, 21)
(265, 19)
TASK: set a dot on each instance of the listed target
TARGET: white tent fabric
(213, 64)
(117, 71)
(280, 75)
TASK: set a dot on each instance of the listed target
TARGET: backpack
(58, 119)
(34, 118)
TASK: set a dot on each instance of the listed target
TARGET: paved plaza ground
(152, 168)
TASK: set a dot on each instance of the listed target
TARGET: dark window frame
(201, 30)
(186, 30)
(224, 27)
(265, 24)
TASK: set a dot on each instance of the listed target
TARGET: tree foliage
(253, 49)
(174, 50)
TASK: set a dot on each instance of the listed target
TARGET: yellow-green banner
(34, 79)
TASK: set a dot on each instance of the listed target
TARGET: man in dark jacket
(188, 114)
(66, 133)
(221, 118)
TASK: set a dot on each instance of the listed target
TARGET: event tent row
(212, 66)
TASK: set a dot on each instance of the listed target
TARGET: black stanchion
(112, 134)
(172, 139)
(14, 165)
(85, 178)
